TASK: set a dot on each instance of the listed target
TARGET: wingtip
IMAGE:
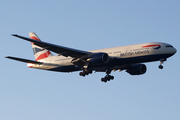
(14, 35)
(7, 56)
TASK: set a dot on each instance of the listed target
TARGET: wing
(23, 60)
(65, 51)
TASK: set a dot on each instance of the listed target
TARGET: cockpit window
(169, 46)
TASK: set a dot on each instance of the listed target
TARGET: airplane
(129, 58)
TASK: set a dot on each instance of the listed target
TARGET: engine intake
(99, 58)
(137, 69)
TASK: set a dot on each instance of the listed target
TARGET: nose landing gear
(161, 62)
(160, 67)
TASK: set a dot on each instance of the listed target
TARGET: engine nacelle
(99, 58)
(137, 69)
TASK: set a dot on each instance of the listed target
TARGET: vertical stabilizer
(39, 52)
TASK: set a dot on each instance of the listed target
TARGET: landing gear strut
(107, 77)
(161, 62)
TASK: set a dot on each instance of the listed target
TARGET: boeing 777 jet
(129, 58)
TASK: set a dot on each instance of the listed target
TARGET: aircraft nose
(174, 51)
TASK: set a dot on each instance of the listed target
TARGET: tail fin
(39, 52)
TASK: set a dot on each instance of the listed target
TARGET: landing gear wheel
(81, 73)
(107, 78)
(85, 72)
(103, 80)
(160, 67)
(112, 77)
(161, 62)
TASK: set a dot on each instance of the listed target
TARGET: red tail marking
(44, 55)
(34, 38)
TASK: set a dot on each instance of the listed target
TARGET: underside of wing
(61, 50)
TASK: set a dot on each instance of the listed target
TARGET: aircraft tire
(103, 80)
(160, 67)
(81, 73)
(112, 77)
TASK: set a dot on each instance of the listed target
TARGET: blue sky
(28, 94)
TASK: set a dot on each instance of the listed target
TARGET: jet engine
(98, 58)
(137, 69)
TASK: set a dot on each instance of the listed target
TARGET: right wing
(65, 51)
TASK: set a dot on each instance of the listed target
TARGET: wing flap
(23, 60)
(65, 51)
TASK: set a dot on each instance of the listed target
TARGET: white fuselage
(146, 52)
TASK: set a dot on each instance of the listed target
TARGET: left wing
(65, 51)
(23, 60)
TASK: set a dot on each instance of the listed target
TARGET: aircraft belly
(70, 68)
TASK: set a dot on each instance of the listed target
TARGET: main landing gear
(85, 72)
(161, 62)
(107, 77)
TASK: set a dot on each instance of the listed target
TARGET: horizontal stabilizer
(23, 60)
